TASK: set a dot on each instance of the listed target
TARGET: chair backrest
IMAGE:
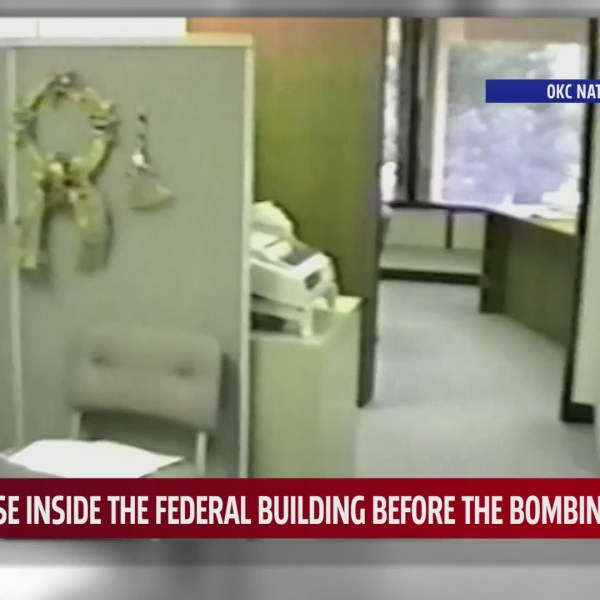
(163, 374)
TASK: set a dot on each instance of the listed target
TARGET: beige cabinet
(304, 394)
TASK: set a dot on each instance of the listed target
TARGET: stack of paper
(553, 214)
(99, 459)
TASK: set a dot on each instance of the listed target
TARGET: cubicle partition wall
(585, 369)
(183, 267)
(7, 416)
(580, 394)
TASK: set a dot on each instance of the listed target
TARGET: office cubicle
(183, 267)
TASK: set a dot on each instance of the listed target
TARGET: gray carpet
(461, 394)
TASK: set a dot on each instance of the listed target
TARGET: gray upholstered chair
(167, 376)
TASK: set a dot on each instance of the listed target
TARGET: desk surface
(533, 214)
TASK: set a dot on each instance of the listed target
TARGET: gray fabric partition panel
(7, 414)
(586, 375)
(585, 387)
(182, 267)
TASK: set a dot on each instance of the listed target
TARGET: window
(515, 154)
(390, 111)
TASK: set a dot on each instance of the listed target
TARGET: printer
(289, 279)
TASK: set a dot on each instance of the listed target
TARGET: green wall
(318, 102)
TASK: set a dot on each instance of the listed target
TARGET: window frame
(445, 42)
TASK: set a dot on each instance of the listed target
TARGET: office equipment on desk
(289, 279)
(167, 376)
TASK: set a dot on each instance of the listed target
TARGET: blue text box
(542, 91)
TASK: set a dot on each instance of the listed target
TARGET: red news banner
(299, 509)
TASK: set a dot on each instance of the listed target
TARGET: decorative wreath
(63, 181)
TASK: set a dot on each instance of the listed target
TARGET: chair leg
(200, 453)
(75, 426)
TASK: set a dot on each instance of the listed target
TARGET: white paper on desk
(96, 459)
(552, 214)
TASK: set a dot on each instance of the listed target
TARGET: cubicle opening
(479, 273)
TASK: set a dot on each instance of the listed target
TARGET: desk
(529, 270)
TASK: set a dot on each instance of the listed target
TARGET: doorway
(473, 354)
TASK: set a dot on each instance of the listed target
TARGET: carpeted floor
(461, 394)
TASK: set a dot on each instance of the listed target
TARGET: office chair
(168, 376)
